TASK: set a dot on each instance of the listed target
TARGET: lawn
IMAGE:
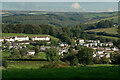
(22, 34)
(42, 55)
(116, 38)
(103, 72)
(112, 30)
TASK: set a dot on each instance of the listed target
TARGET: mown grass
(104, 72)
(116, 38)
(26, 64)
(112, 30)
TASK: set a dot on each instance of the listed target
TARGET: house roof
(40, 36)
(31, 51)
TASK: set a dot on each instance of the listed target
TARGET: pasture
(112, 30)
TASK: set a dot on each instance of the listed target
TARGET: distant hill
(61, 19)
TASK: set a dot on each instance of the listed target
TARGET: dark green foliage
(96, 60)
(74, 61)
(104, 60)
(78, 47)
(55, 19)
(117, 59)
(104, 24)
(52, 54)
(37, 49)
(23, 51)
(8, 45)
(16, 52)
(85, 56)
(4, 63)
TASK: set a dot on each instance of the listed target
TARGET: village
(100, 49)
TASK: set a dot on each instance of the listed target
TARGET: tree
(8, 45)
(23, 51)
(104, 60)
(37, 49)
(52, 54)
(85, 56)
(4, 63)
(117, 59)
(16, 52)
(74, 61)
(96, 60)
(78, 47)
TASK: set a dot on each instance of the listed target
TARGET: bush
(74, 62)
(4, 63)
(96, 60)
(55, 64)
(105, 60)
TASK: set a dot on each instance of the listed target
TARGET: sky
(60, 0)
(62, 6)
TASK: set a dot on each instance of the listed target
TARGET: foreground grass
(104, 72)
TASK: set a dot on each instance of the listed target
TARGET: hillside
(61, 19)
(112, 30)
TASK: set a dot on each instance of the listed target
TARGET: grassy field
(116, 38)
(97, 71)
(22, 34)
(26, 64)
(112, 30)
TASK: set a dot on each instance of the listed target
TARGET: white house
(63, 45)
(21, 38)
(1, 39)
(31, 52)
(99, 52)
(110, 44)
(81, 41)
(41, 38)
(86, 45)
(115, 49)
(62, 51)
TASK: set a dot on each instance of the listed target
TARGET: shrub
(55, 64)
(96, 60)
(74, 62)
(4, 63)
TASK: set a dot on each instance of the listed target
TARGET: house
(81, 41)
(115, 49)
(100, 51)
(30, 52)
(86, 45)
(21, 38)
(41, 38)
(110, 44)
(1, 39)
(107, 49)
(24, 42)
(107, 54)
(62, 51)
(63, 44)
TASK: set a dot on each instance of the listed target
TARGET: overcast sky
(60, 0)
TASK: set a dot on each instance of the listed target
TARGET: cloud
(75, 6)
(110, 10)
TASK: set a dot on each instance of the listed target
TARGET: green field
(116, 38)
(22, 34)
(99, 71)
(112, 30)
